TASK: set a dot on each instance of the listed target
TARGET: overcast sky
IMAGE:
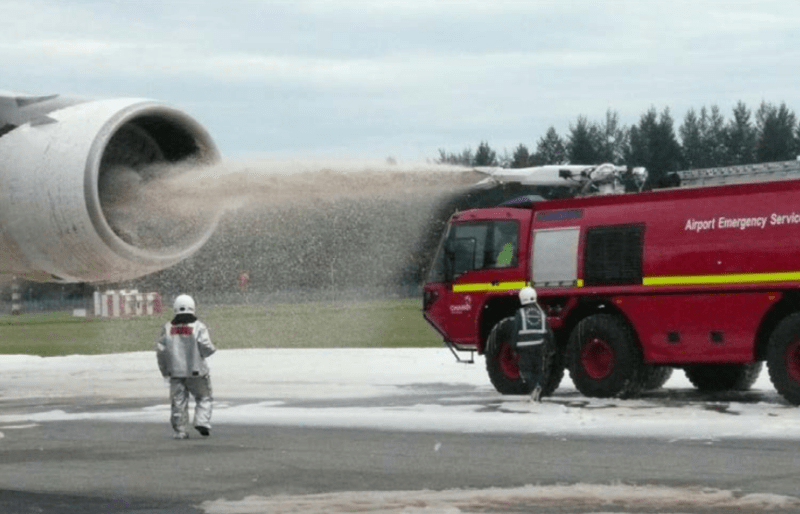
(403, 78)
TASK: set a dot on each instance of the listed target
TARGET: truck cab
(481, 262)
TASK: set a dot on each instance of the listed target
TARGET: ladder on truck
(743, 173)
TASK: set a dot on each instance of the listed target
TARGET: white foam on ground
(606, 497)
(262, 387)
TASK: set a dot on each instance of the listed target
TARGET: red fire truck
(706, 279)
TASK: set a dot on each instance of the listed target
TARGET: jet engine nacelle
(54, 154)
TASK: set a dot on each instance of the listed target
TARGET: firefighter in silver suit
(530, 338)
(181, 352)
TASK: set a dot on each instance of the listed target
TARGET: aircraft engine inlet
(72, 173)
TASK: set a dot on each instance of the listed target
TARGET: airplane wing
(16, 109)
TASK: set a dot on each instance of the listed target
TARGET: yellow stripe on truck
(740, 278)
(677, 280)
(485, 287)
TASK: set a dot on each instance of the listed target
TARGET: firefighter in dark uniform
(530, 336)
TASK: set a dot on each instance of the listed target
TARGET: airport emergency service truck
(704, 278)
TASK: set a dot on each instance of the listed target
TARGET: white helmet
(527, 295)
(183, 303)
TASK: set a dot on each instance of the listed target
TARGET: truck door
(476, 258)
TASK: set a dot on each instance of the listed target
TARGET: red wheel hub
(508, 361)
(597, 358)
(793, 360)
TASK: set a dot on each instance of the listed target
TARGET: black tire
(655, 377)
(783, 358)
(604, 357)
(501, 360)
(502, 363)
(714, 378)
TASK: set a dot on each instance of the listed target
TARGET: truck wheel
(723, 377)
(604, 359)
(501, 360)
(783, 358)
(655, 377)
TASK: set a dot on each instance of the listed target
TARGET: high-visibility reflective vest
(531, 326)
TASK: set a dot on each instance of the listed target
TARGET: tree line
(704, 139)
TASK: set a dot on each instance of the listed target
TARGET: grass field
(390, 323)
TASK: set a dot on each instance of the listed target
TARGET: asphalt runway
(90, 466)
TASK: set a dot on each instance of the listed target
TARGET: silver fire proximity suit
(181, 352)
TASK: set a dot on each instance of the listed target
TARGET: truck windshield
(475, 245)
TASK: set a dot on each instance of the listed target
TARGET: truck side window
(555, 257)
(462, 252)
(476, 245)
(478, 233)
(613, 255)
(504, 243)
